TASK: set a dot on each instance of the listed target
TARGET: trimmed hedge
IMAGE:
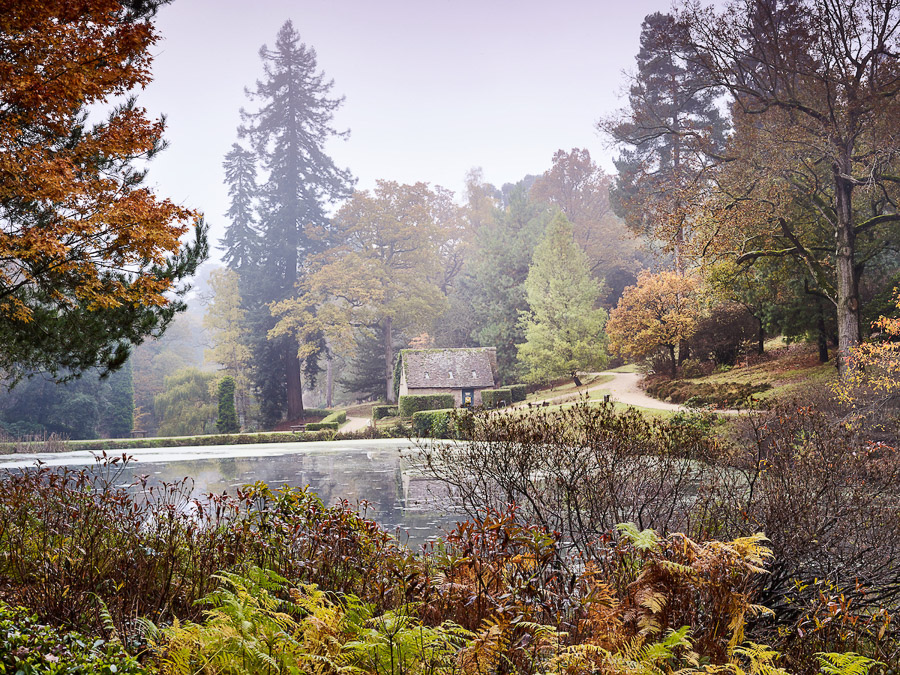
(380, 411)
(339, 416)
(319, 426)
(435, 423)
(316, 412)
(518, 392)
(492, 398)
(413, 403)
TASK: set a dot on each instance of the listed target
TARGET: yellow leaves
(873, 369)
(660, 310)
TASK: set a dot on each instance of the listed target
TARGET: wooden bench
(298, 427)
(138, 434)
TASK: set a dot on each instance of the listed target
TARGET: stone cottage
(461, 372)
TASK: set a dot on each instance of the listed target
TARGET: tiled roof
(450, 368)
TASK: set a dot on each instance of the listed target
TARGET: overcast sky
(433, 87)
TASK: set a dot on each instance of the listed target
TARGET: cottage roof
(450, 368)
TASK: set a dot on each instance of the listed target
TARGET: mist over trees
(755, 171)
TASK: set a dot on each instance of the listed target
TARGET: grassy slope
(787, 368)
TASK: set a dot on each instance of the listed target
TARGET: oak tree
(813, 161)
(385, 273)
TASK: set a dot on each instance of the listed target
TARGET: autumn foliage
(659, 312)
(80, 236)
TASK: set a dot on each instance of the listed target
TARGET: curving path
(355, 424)
(623, 388)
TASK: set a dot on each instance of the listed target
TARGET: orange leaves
(659, 311)
(75, 224)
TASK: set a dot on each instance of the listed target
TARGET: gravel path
(624, 389)
(355, 424)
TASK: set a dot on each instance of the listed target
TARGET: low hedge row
(434, 423)
(380, 411)
(339, 416)
(494, 398)
(319, 426)
(518, 392)
(413, 403)
(316, 412)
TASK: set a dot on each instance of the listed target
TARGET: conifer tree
(668, 132)
(563, 329)
(288, 133)
(241, 242)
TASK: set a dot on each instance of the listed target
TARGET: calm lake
(375, 471)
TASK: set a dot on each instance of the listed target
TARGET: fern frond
(849, 663)
(642, 540)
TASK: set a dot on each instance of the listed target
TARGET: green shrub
(494, 398)
(380, 411)
(435, 423)
(27, 646)
(413, 403)
(316, 412)
(319, 426)
(518, 392)
(339, 416)
(227, 422)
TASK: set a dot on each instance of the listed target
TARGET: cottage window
(450, 374)
(426, 376)
(473, 374)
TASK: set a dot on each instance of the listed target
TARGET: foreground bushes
(550, 586)
(27, 646)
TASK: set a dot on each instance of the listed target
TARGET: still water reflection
(377, 472)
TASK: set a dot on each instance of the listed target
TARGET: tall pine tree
(241, 242)
(668, 132)
(564, 328)
(288, 133)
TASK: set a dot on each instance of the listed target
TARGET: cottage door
(468, 397)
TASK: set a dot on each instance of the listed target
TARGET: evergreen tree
(241, 242)
(493, 285)
(288, 133)
(227, 421)
(117, 417)
(669, 130)
(563, 329)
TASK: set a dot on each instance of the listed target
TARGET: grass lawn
(567, 389)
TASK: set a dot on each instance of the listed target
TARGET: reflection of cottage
(461, 372)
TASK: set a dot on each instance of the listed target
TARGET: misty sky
(433, 87)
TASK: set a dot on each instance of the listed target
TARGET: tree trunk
(684, 351)
(845, 269)
(294, 385)
(576, 380)
(329, 379)
(822, 336)
(760, 337)
(389, 361)
(673, 360)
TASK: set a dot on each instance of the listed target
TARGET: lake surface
(375, 471)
